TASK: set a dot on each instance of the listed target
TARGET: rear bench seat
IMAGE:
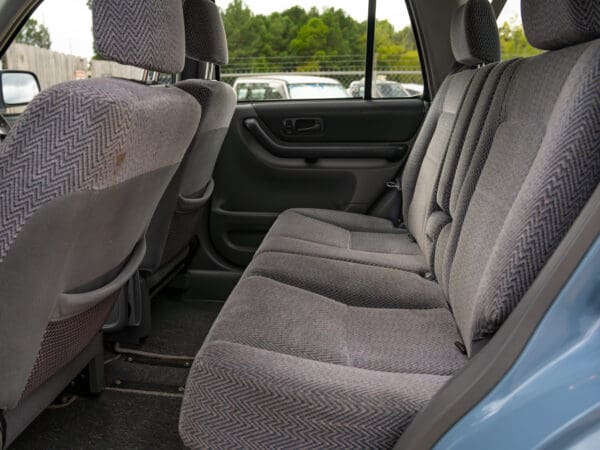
(322, 345)
(427, 180)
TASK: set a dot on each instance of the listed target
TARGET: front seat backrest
(177, 219)
(81, 174)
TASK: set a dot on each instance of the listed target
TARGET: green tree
(406, 38)
(388, 46)
(513, 41)
(34, 33)
(311, 38)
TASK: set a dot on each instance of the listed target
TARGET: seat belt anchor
(395, 184)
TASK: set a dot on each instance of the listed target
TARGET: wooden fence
(112, 69)
(53, 67)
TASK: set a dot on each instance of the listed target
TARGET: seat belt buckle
(395, 184)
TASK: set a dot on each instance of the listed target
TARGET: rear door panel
(337, 166)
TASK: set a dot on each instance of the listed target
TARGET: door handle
(316, 127)
(303, 126)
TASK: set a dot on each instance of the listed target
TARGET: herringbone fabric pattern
(555, 24)
(561, 181)
(86, 135)
(205, 32)
(144, 33)
(284, 367)
(240, 397)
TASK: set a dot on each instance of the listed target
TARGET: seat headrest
(474, 34)
(205, 32)
(142, 33)
(555, 24)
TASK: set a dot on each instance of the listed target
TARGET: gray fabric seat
(284, 367)
(296, 364)
(427, 182)
(177, 218)
(81, 174)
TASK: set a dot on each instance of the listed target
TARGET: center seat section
(288, 367)
(343, 236)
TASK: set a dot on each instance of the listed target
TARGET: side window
(57, 45)
(512, 37)
(396, 66)
(317, 50)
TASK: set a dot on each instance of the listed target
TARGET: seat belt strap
(396, 212)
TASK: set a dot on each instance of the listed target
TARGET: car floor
(144, 386)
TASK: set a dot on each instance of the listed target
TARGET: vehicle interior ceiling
(285, 273)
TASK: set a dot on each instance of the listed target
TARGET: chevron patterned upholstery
(84, 135)
(144, 33)
(313, 351)
(241, 397)
(562, 179)
(555, 24)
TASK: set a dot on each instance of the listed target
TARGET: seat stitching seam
(291, 286)
(253, 273)
(334, 246)
(304, 240)
(287, 252)
(223, 341)
(315, 219)
(348, 228)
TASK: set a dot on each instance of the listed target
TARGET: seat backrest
(176, 220)
(80, 176)
(475, 42)
(537, 164)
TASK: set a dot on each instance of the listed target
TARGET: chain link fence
(347, 69)
(346, 78)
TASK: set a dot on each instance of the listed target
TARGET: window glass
(512, 37)
(290, 50)
(57, 45)
(396, 66)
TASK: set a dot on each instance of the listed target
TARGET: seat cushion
(243, 397)
(338, 235)
(350, 283)
(311, 354)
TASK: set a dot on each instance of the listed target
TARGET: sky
(70, 26)
(70, 21)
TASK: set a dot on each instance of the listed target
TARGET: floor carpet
(179, 326)
(114, 420)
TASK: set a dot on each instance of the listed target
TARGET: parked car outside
(288, 87)
(413, 89)
(384, 89)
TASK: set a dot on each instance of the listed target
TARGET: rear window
(308, 44)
